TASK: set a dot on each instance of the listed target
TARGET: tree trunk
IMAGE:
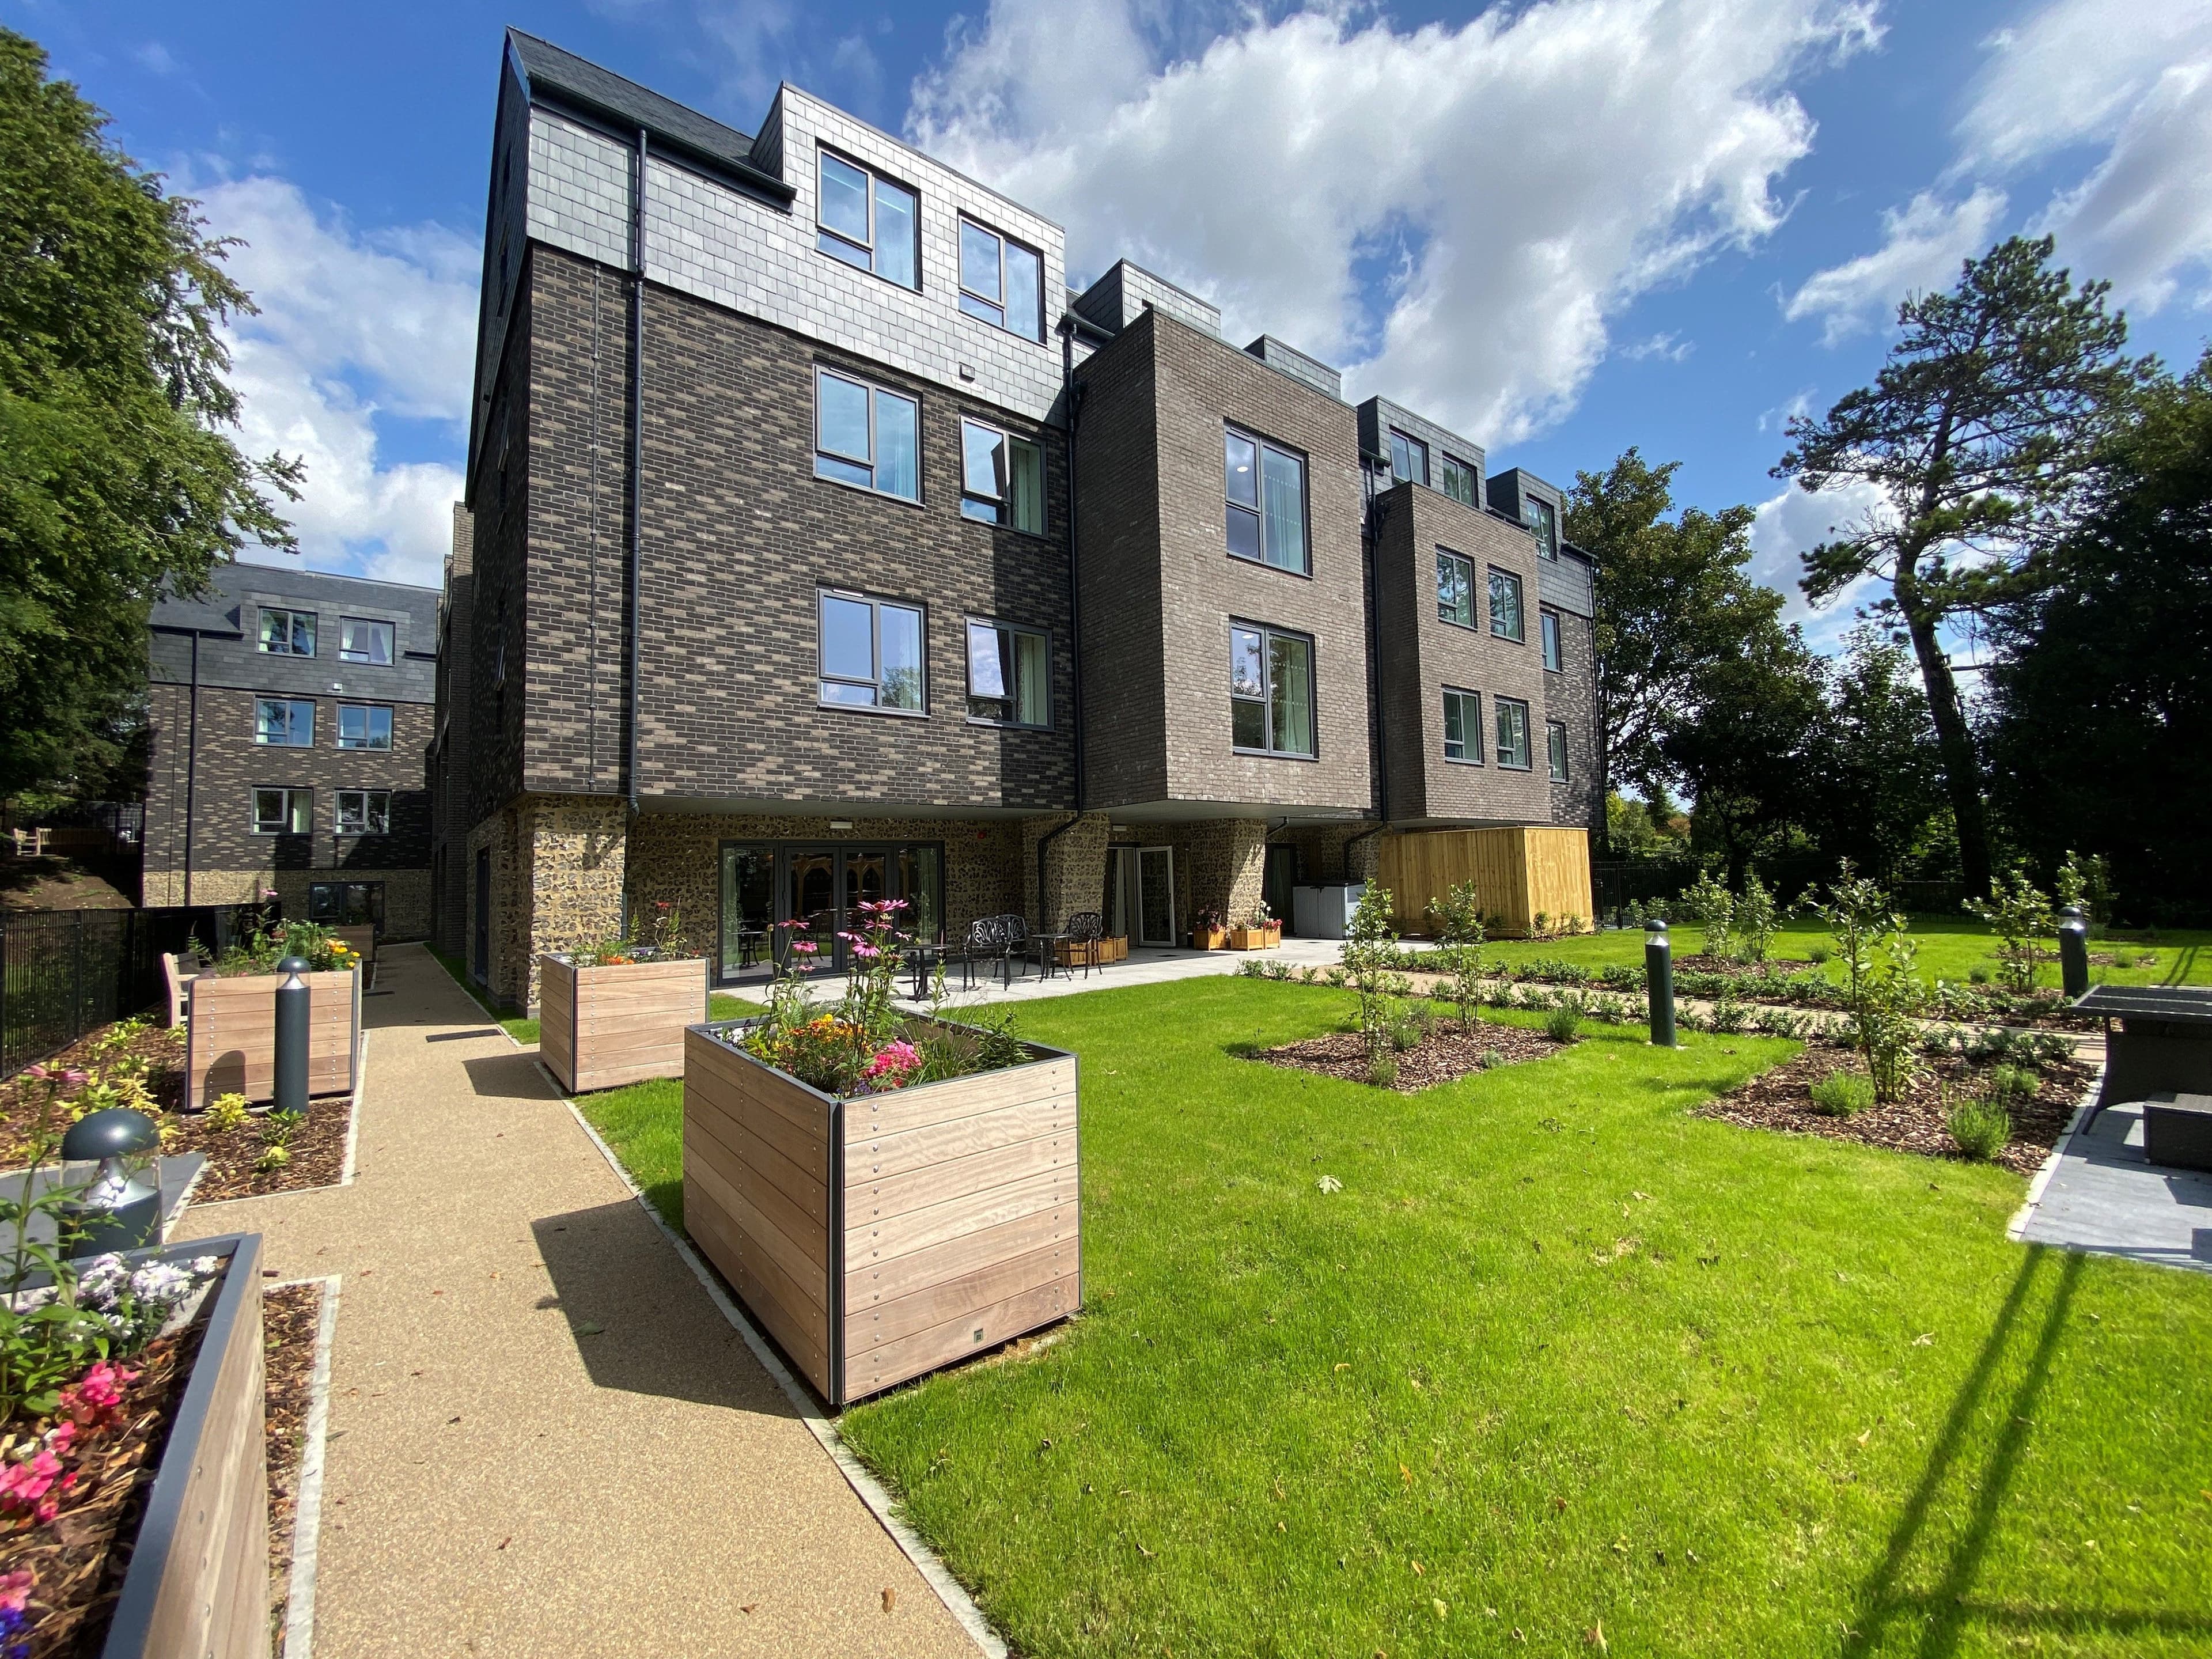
(1962, 770)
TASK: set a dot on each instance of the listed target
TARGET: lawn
(1555, 1356)
(525, 1031)
(1950, 947)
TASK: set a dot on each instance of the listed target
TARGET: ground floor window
(346, 904)
(766, 884)
(364, 811)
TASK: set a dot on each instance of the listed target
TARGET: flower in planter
(31, 1489)
(895, 1064)
(95, 1400)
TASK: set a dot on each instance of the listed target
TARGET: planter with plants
(614, 1012)
(1209, 931)
(888, 1192)
(231, 1045)
(1260, 930)
(134, 1488)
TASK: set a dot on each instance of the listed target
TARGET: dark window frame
(873, 464)
(875, 602)
(1473, 623)
(1519, 634)
(1551, 631)
(1415, 449)
(288, 703)
(1526, 747)
(1261, 446)
(1545, 526)
(872, 174)
(1555, 749)
(1467, 726)
(383, 748)
(293, 615)
(287, 790)
(391, 634)
(1004, 503)
(338, 818)
(999, 624)
(1473, 497)
(1269, 632)
(968, 220)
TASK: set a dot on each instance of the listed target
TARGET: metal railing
(1616, 884)
(63, 973)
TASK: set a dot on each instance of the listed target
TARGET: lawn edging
(2017, 1228)
(869, 1490)
(308, 1507)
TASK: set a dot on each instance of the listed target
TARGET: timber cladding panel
(602, 1027)
(1518, 874)
(881, 1238)
(231, 1042)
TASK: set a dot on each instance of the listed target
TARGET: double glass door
(1143, 904)
(819, 888)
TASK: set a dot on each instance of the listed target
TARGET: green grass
(1582, 1356)
(1950, 947)
(643, 1123)
(720, 1005)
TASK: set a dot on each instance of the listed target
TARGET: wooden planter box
(231, 1046)
(199, 1578)
(883, 1236)
(1104, 950)
(599, 1028)
(1255, 939)
(1209, 938)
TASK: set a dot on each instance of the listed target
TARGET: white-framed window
(1455, 588)
(287, 633)
(364, 725)
(1409, 458)
(1001, 478)
(1009, 674)
(362, 640)
(1555, 746)
(284, 722)
(1540, 516)
(1505, 605)
(1458, 480)
(1267, 504)
(866, 436)
(283, 811)
(1548, 623)
(1462, 726)
(1271, 690)
(364, 811)
(1001, 282)
(1512, 732)
(872, 653)
(869, 221)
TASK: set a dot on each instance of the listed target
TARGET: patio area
(1143, 966)
(2104, 1196)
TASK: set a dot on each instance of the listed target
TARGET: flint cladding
(731, 249)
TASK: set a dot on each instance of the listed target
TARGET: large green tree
(116, 472)
(1675, 599)
(1747, 747)
(1878, 783)
(2100, 728)
(1976, 437)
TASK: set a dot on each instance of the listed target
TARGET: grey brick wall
(448, 773)
(1571, 697)
(1422, 653)
(1154, 543)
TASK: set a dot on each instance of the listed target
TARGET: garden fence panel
(63, 973)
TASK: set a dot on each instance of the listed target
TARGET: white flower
(1329, 1184)
(207, 1266)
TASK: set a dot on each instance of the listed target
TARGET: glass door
(811, 886)
(1155, 895)
(748, 935)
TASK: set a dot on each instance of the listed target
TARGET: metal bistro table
(2157, 1042)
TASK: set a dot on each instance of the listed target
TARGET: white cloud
(1923, 246)
(2135, 82)
(1795, 520)
(1537, 168)
(352, 325)
(1668, 347)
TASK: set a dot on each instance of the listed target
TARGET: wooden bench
(178, 972)
(2177, 1131)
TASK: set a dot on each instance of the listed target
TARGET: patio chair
(980, 943)
(1012, 936)
(1085, 931)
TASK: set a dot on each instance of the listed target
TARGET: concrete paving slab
(543, 1438)
(2104, 1196)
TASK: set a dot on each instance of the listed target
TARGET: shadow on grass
(2180, 970)
(1948, 1610)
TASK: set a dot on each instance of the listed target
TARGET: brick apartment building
(290, 711)
(821, 543)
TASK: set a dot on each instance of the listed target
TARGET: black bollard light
(122, 1208)
(1659, 982)
(2074, 950)
(293, 1000)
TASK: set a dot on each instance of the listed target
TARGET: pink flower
(15, 1591)
(894, 1063)
(95, 1399)
(60, 1438)
(866, 952)
(805, 946)
(34, 1486)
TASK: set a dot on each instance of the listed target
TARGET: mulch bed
(1447, 1052)
(289, 1315)
(1782, 1099)
(78, 1561)
(1735, 969)
(318, 1146)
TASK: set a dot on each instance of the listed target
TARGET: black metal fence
(63, 973)
(1618, 884)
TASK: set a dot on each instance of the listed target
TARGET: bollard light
(2074, 951)
(293, 1000)
(122, 1208)
(1659, 981)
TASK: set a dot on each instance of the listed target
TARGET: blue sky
(1565, 228)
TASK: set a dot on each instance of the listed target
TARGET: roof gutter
(1072, 401)
(636, 451)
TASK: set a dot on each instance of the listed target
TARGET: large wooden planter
(599, 1028)
(1255, 938)
(199, 1579)
(883, 1236)
(1209, 938)
(231, 1048)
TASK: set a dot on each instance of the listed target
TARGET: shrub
(1840, 1094)
(1712, 906)
(1404, 1034)
(1492, 1059)
(1276, 969)
(1978, 974)
(1369, 947)
(1755, 920)
(1882, 989)
(1818, 954)
(1251, 968)
(2087, 883)
(227, 1113)
(1981, 1127)
(1560, 1023)
(1456, 919)
(2021, 917)
(1729, 1013)
(1382, 1071)
(2011, 1084)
